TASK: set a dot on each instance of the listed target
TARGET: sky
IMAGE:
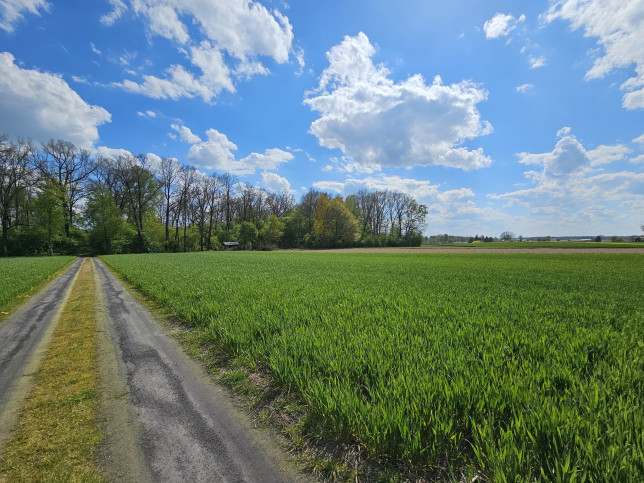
(499, 115)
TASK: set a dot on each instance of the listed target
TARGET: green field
(19, 277)
(550, 244)
(502, 364)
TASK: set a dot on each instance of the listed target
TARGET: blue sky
(498, 115)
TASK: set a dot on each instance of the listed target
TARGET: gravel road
(24, 338)
(188, 428)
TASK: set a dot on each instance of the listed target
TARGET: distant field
(552, 244)
(18, 276)
(528, 365)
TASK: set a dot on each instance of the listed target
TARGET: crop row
(517, 366)
(18, 276)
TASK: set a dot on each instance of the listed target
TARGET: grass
(550, 244)
(57, 433)
(513, 366)
(22, 277)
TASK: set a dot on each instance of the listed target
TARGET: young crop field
(515, 366)
(550, 244)
(19, 276)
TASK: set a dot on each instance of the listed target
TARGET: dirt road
(163, 418)
(188, 428)
(24, 338)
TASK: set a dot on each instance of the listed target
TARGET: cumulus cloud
(523, 88)
(11, 11)
(619, 29)
(639, 139)
(231, 37)
(177, 83)
(274, 182)
(376, 121)
(110, 153)
(41, 105)
(217, 152)
(501, 25)
(186, 134)
(571, 186)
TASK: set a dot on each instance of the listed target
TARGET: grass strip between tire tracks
(57, 434)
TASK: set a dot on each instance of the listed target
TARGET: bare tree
(168, 174)
(70, 167)
(279, 203)
(140, 187)
(228, 182)
(15, 177)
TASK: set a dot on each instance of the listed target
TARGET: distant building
(231, 245)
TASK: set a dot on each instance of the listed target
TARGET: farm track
(189, 430)
(24, 338)
(163, 418)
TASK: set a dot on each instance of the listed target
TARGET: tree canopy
(58, 199)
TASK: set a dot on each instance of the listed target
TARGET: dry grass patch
(57, 435)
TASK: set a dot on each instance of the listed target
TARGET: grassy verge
(57, 434)
(24, 277)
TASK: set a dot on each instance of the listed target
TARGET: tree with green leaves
(334, 224)
(50, 214)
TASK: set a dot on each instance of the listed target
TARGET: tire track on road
(24, 338)
(189, 428)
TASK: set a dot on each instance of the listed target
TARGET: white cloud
(603, 154)
(11, 11)
(637, 159)
(619, 29)
(536, 62)
(231, 35)
(148, 114)
(523, 88)
(501, 25)
(118, 9)
(110, 153)
(216, 152)
(246, 70)
(274, 182)
(573, 190)
(375, 121)
(95, 49)
(41, 106)
(186, 134)
(564, 131)
(178, 83)
(639, 139)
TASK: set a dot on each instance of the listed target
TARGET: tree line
(58, 199)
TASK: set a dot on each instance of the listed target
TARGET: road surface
(188, 428)
(162, 417)
(24, 338)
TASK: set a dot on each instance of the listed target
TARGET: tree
(334, 224)
(14, 179)
(248, 234)
(507, 236)
(109, 232)
(272, 231)
(140, 188)
(49, 212)
(71, 167)
(169, 174)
